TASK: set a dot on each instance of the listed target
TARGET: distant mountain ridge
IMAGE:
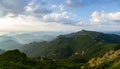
(15, 40)
(9, 45)
(28, 37)
(113, 32)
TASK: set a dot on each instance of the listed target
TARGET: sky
(59, 15)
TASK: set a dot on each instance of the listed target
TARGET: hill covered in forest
(80, 50)
(77, 47)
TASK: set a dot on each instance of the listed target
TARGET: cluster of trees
(14, 59)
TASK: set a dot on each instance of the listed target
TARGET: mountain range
(77, 47)
(79, 50)
(15, 40)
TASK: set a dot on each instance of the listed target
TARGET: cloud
(59, 17)
(74, 3)
(28, 23)
(98, 17)
(105, 18)
(54, 6)
(38, 8)
(62, 7)
(24, 7)
(15, 6)
(44, 15)
(81, 3)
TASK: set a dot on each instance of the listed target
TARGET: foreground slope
(111, 60)
(14, 59)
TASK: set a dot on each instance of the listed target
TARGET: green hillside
(14, 59)
(80, 50)
(76, 47)
(30, 48)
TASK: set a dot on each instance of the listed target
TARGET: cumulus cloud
(38, 8)
(24, 7)
(98, 17)
(32, 15)
(59, 17)
(45, 15)
(15, 6)
(105, 18)
(28, 23)
(114, 16)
